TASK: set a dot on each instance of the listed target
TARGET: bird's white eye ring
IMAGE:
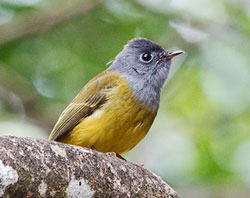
(146, 57)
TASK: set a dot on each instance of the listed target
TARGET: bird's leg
(93, 148)
(119, 156)
(113, 154)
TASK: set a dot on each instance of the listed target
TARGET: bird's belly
(112, 129)
(117, 126)
(124, 137)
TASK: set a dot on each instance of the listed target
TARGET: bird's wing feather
(90, 98)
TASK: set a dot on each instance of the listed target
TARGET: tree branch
(45, 19)
(40, 168)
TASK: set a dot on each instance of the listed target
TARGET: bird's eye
(146, 57)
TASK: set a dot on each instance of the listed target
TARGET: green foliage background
(200, 141)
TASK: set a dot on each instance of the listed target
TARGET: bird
(115, 110)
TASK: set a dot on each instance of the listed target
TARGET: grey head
(146, 66)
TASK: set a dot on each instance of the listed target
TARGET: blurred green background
(200, 140)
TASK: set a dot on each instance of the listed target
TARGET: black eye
(146, 57)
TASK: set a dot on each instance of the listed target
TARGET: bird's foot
(113, 154)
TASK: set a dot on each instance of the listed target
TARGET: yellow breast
(117, 126)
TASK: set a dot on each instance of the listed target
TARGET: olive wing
(89, 99)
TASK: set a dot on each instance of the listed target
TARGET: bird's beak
(171, 55)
